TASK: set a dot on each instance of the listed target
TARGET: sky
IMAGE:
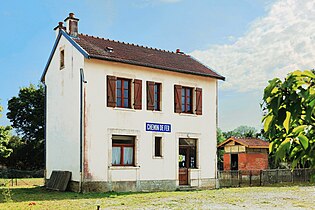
(247, 41)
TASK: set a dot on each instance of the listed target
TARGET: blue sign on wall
(158, 127)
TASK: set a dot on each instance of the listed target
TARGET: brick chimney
(72, 25)
(59, 27)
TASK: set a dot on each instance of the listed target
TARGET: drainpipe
(216, 157)
(82, 81)
(45, 133)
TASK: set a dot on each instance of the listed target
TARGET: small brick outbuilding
(244, 154)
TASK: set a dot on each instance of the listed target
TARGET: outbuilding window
(123, 148)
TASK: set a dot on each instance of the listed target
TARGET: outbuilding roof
(247, 142)
(105, 49)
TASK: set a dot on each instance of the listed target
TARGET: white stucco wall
(63, 111)
(103, 121)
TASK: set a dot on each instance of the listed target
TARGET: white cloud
(280, 42)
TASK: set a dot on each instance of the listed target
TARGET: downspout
(216, 157)
(45, 132)
(82, 81)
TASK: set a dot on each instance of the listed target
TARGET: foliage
(242, 131)
(26, 113)
(6, 192)
(26, 155)
(220, 136)
(289, 123)
(5, 133)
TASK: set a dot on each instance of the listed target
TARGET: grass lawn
(27, 196)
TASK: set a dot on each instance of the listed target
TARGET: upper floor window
(123, 93)
(62, 59)
(187, 100)
(119, 92)
(153, 96)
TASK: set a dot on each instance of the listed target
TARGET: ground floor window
(123, 150)
(158, 146)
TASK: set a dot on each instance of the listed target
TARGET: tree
(289, 123)
(26, 113)
(242, 131)
(5, 134)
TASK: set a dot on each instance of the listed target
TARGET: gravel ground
(293, 197)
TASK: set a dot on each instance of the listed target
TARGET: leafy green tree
(26, 113)
(5, 134)
(242, 131)
(289, 123)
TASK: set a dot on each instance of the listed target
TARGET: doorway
(234, 162)
(186, 159)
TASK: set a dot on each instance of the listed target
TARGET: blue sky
(246, 41)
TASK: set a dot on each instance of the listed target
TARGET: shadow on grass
(42, 194)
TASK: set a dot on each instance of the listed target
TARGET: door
(183, 166)
(187, 159)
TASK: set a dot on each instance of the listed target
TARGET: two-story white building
(124, 117)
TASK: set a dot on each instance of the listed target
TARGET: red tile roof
(106, 49)
(247, 142)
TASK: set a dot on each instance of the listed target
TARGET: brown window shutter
(111, 91)
(198, 101)
(138, 94)
(150, 95)
(177, 98)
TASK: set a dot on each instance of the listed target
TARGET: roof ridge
(136, 45)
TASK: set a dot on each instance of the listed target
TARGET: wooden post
(250, 178)
(260, 177)
(98, 207)
(277, 171)
(239, 178)
(292, 176)
(304, 174)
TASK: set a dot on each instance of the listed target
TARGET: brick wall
(247, 161)
(226, 162)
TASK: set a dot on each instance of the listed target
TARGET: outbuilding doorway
(234, 162)
(186, 159)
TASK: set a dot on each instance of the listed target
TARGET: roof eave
(153, 66)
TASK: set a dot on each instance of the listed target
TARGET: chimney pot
(71, 15)
(177, 50)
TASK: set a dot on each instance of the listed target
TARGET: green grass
(31, 196)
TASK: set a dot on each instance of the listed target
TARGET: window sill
(193, 169)
(123, 167)
(124, 109)
(188, 114)
(156, 111)
(158, 157)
